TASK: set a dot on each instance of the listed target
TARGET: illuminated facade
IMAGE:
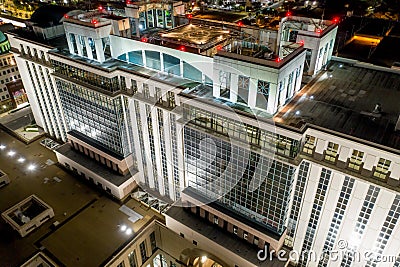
(217, 125)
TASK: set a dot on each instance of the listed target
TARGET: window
(122, 264)
(182, 235)
(255, 241)
(262, 94)
(132, 259)
(153, 242)
(245, 235)
(243, 89)
(215, 219)
(225, 84)
(382, 169)
(143, 253)
(309, 144)
(331, 152)
(356, 160)
(195, 242)
(146, 90)
(235, 230)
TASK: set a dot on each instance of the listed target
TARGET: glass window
(309, 144)
(235, 230)
(262, 94)
(331, 152)
(215, 219)
(132, 259)
(356, 160)
(153, 241)
(382, 169)
(243, 89)
(225, 84)
(143, 253)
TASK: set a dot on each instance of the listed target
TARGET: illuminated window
(235, 229)
(356, 160)
(382, 169)
(132, 259)
(331, 152)
(215, 220)
(309, 144)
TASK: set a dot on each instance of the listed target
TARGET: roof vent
(377, 109)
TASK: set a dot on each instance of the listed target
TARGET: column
(78, 45)
(144, 58)
(162, 62)
(164, 20)
(70, 44)
(99, 50)
(252, 97)
(320, 149)
(137, 27)
(181, 67)
(313, 61)
(234, 88)
(88, 48)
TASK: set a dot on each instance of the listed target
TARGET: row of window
(355, 161)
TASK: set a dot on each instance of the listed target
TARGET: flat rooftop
(342, 99)
(199, 36)
(96, 167)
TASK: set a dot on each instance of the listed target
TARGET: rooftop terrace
(343, 99)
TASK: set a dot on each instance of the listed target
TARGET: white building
(203, 115)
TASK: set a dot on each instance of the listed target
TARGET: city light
(128, 231)
(123, 228)
(11, 153)
(2, 147)
(21, 160)
(203, 259)
(31, 167)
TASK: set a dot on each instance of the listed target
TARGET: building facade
(209, 119)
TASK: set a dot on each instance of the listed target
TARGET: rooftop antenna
(322, 17)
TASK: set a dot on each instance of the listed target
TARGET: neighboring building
(44, 32)
(213, 119)
(12, 92)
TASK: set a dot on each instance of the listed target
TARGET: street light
(2, 147)
(11, 153)
(21, 160)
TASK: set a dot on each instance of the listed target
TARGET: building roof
(343, 99)
(49, 15)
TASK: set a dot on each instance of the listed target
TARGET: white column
(344, 153)
(321, 145)
(70, 44)
(369, 162)
(234, 88)
(181, 67)
(162, 62)
(99, 50)
(252, 93)
(88, 48)
(78, 45)
(144, 58)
